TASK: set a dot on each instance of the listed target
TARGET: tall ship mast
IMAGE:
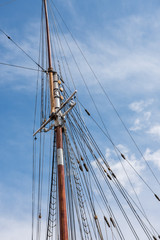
(74, 204)
(76, 193)
(58, 121)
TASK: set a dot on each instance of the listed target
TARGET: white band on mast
(60, 156)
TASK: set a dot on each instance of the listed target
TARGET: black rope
(17, 66)
(22, 50)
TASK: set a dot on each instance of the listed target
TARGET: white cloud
(137, 125)
(122, 169)
(140, 105)
(153, 156)
(142, 122)
(13, 229)
(155, 131)
(142, 109)
(147, 115)
(137, 106)
(123, 148)
(108, 153)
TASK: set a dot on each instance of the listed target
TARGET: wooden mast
(55, 105)
(50, 69)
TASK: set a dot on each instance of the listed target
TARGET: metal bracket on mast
(72, 106)
(57, 116)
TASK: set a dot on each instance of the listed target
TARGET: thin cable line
(22, 49)
(17, 66)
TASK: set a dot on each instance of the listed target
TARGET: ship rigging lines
(98, 204)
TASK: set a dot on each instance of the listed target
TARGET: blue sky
(120, 39)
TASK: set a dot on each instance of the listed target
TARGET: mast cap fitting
(51, 70)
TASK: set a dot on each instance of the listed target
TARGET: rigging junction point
(57, 116)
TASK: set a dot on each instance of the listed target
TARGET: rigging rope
(17, 66)
(106, 94)
(80, 149)
(83, 133)
(22, 50)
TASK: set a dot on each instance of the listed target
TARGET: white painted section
(57, 103)
(60, 156)
(56, 91)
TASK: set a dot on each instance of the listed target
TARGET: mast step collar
(51, 70)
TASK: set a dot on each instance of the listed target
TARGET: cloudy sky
(120, 39)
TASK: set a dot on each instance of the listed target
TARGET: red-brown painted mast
(55, 104)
